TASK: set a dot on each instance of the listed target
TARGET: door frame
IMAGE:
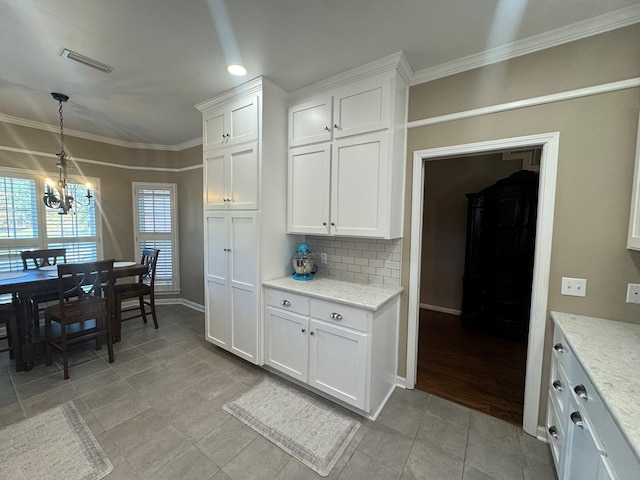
(542, 257)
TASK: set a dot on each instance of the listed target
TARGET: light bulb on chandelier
(61, 195)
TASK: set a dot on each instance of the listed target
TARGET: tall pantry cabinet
(244, 194)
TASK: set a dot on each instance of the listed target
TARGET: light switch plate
(576, 287)
(633, 293)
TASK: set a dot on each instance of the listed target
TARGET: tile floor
(157, 412)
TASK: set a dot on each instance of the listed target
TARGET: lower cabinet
(585, 441)
(346, 352)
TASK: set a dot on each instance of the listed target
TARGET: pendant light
(61, 196)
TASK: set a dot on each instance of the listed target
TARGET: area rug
(56, 444)
(310, 431)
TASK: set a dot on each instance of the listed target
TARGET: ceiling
(169, 55)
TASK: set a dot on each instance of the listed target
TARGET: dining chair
(143, 288)
(8, 339)
(38, 259)
(84, 308)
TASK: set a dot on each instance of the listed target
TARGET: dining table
(22, 284)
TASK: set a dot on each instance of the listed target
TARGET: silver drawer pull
(285, 303)
(336, 316)
(553, 431)
(558, 347)
(304, 331)
(557, 385)
(577, 419)
(581, 391)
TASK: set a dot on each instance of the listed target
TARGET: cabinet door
(310, 121)
(286, 342)
(213, 134)
(231, 124)
(338, 362)
(242, 177)
(309, 189)
(243, 279)
(582, 455)
(215, 191)
(359, 193)
(242, 121)
(217, 279)
(362, 108)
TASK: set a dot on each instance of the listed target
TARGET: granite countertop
(609, 352)
(371, 297)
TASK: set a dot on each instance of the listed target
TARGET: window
(155, 227)
(26, 224)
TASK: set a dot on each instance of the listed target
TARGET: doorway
(540, 285)
(479, 216)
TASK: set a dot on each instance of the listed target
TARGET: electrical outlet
(576, 287)
(633, 293)
(323, 258)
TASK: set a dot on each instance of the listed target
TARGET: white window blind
(26, 224)
(154, 212)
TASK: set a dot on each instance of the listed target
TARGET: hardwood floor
(474, 369)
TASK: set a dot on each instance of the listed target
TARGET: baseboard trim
(169, 301)
(401, 382)
(435, 308)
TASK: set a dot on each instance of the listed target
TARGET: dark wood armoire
(501, 230)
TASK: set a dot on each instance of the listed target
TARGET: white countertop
(609, 352)
(371, 297)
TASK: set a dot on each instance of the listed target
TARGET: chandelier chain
(61, 127)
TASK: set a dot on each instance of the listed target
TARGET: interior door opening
(478, 235)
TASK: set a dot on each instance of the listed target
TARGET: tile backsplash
(358, 260)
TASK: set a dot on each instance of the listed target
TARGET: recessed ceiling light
(90, 62)
(235, 69)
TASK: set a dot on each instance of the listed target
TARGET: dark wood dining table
(34, 281)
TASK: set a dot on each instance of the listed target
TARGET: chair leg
(152, 304)
(117, 321)
(143, 310)
(65, 358)
(47, 340)
(109, 336)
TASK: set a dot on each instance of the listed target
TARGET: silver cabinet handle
(576, 418)
(335, 125)
(285, 303)
(303, 331)
(581, 391)
(553, 431)
(327, 129)
(558, 347)
(557, 385)
(336, 316)
(312, 333)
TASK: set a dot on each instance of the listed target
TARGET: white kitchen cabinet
(244, 198)
(585, 441)
(231, 309)
(360, 116)
(343, 351)
(231, 177)
(633, 238)
(230, 124)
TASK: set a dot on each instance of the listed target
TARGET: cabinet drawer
(555, 433)
(587, 398)
(292, 302)
(559, 386)
(340, 314)
(562, 352)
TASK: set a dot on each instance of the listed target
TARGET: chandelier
(61, 196)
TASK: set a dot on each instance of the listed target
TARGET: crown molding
(586, 28)
(99, 138)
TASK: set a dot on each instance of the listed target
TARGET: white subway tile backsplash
(358, 260)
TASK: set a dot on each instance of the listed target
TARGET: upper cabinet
(358, 108)
(633, 240)
(347, 153)
(231, 124)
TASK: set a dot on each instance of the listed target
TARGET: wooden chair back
(42, 258)
(149, 259)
